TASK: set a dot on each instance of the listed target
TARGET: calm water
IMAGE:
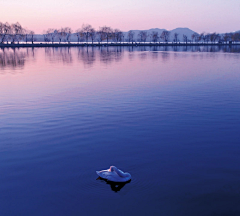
(170, 117)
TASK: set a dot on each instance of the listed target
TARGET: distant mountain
(136, 32)
(180, 31)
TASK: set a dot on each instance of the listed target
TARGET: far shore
(112, 44)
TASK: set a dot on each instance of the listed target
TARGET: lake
(170, 116)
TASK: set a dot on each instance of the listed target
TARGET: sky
(199, 15)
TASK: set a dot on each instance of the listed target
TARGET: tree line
(15, 33)
(85, 33)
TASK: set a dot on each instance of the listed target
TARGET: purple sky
(205, 15)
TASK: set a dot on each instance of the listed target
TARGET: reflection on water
(12, 58)
(108, 55)
(115, 186)
(59, 54)
(168, 115)
(15, 58)
(87, 56)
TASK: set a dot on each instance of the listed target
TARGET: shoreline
(111, 44)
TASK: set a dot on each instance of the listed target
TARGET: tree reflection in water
(59, 54)
(87, 55)
(115, 186)
(109, 54)
(15, 58)
(12, 58)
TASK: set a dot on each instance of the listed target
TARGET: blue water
(168, 117)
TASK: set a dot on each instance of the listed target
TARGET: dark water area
(168, 116)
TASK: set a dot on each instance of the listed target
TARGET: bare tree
(130, 36)
(236, 37)
(213, 37)
(6, 33)
(143, 36)
(199, 38)
(203, 37)
(61, 34)
(46, 37)
(64, 34)
(117, 35)
(79, 34)
(192, 37)
(29, 36)
(185, 38)
(114, 35)
(26, 35)
(68, 33)
(219, 38)
(86, 31)
(107, 31)
(101, 35)
(51, 34)
(17, 32)
(1, 31)
(207, 37)
(7, 30)
(92, 34)
(32, 38)
(175, 37)
(165, 35)
(227, 37)
(155, 36)
(230, 37)
(195, 37)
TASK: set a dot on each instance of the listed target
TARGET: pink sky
(209, 16)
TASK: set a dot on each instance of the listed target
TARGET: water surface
(169, 116)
